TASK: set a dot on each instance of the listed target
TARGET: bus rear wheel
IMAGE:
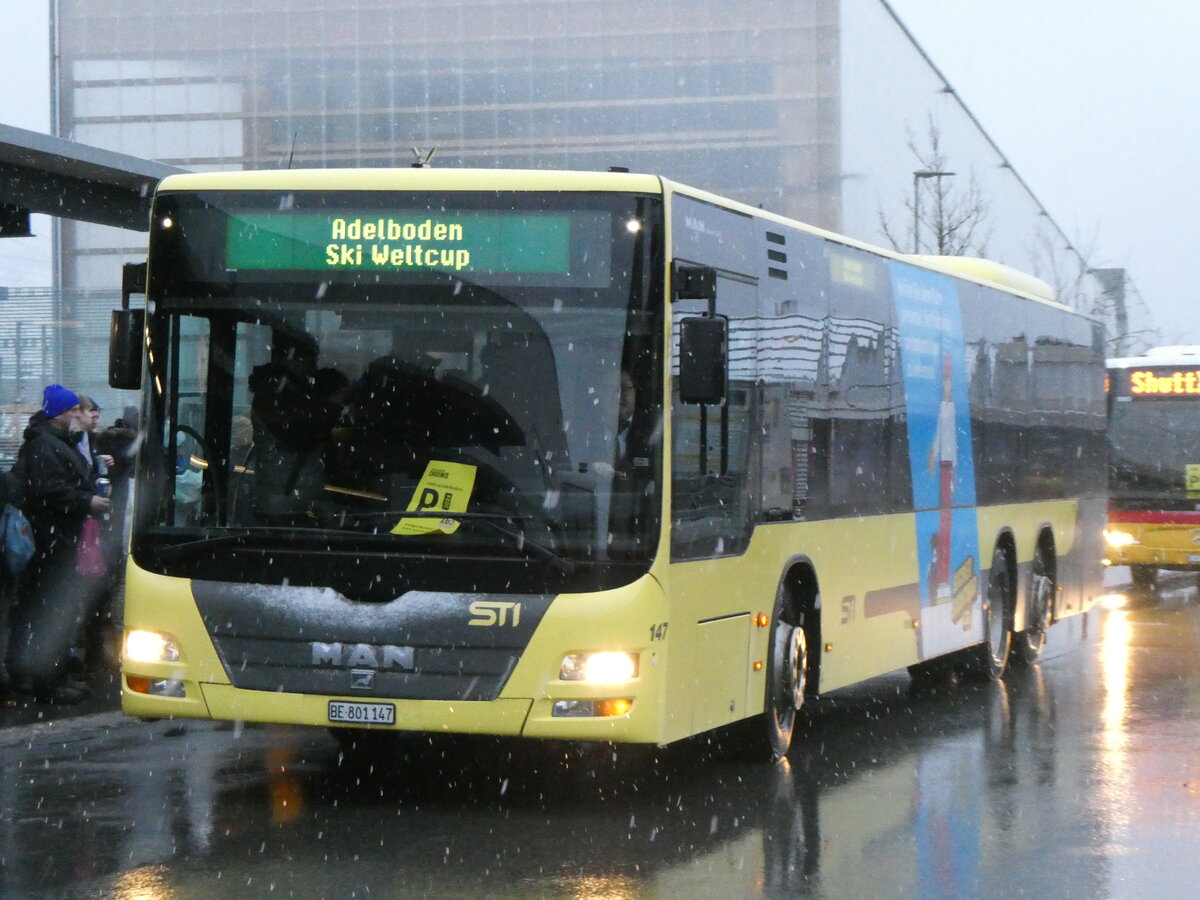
(1040, 611)
(990, 658)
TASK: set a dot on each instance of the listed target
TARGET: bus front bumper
(1128, 544)
(503, 717)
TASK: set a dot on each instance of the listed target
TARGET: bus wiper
(492, 520)
(186, 548)
(395, 515)
(533, 548)
(171, 551)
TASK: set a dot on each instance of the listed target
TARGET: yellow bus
(1154, 464)
(583, 456)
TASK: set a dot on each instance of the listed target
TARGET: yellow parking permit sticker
(1192, 479)
(445, 487)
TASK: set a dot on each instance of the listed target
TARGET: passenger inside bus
(627, 492)
(625, 407)
(402, 414)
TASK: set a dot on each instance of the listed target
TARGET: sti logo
(491, 613)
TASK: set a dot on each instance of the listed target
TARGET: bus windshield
(461, 376)
(1154, 445)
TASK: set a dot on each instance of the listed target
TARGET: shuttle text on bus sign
(1164, 385)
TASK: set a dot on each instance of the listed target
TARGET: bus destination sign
(1159, 383)
(399, 241)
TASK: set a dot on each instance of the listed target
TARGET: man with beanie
(59, 496)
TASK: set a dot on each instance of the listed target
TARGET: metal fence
(48, 336)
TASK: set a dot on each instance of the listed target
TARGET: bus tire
(988, 661)
(1144, 580)
(1039, 611)
(768, 736)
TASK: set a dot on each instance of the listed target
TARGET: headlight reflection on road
(601, 887)
(1114, 658)
(146, 883)
(1114, 738)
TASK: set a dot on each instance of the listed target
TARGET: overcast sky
(25, 102)
(1093, 101)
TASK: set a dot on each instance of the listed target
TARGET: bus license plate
(362, 713)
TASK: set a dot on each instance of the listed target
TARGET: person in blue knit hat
(57, 400)
(60, 494)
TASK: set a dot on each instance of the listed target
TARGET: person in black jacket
(60, 494)
(10, 493)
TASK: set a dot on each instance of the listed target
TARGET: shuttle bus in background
(583, 456)
(1154, 464)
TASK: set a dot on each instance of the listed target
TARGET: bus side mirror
(125, 349)
(126, 335)
(702, 359)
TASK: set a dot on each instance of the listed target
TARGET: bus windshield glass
(459, 375)
(1154, 439)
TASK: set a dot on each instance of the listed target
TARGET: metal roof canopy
(61, 178)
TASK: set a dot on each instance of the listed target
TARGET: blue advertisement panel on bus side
(940, 455)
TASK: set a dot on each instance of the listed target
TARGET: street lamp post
(917, 176)
(1112, 285)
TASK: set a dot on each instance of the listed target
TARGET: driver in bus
(627, 452)
(292, 416)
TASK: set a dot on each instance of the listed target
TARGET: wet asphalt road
(1077, 778)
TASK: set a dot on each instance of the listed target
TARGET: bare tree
(1065, 270)
(1105, 293)
(944, 218)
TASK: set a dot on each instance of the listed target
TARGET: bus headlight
(150, 647)
(1113, 601)
(1119, 539)
(604, 667)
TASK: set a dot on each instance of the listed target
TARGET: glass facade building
(818, 109)
(739, 98)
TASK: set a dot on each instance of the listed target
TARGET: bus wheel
(990, 658)
(786, 682)
(1145, 582)
(769, 736)
(1040, 612)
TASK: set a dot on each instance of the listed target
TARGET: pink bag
(89, 557)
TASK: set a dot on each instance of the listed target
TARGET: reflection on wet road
(1076, 778)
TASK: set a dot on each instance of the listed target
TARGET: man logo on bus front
(362, 656)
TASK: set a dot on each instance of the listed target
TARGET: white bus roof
(378, 179)
(1176, 355)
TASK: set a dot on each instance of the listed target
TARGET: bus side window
(712, 499)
